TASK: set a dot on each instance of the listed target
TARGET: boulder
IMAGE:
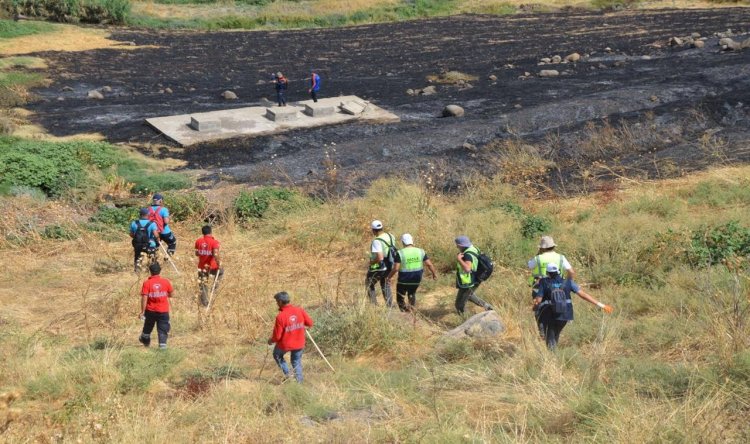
(453, 111)
(699, 44)
(411, 92)
(428, 91)
(94, 94)
(545, 60)
(695, 35)
(492, 78)
(106, 89)
(729, 44)
(607, 49)
(168, 90)
(482, 325)
(229, 95)
(573, 57)
(675, 41)
(556, 59)
(66, 88)
(549, 73)
(745, 44)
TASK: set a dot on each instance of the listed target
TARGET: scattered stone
(107, 89)
(526, 74)
(509, 66)
(453, 111)
(94, 94)
(574, 57)
(601, 66)
(654, 99)
(728, 44)
(676, 41)
(191, 89)
(161, 91)
(492, 77)
(67, 88)
(545, 60)
(646, 57)
(695, 35)
(517, 106)
(469, 147)
(428, 91)
(60, 99)
(549, 73)
(619, 63)
(745, 43)
(556, 59)
(410, 92)
(607, 49)
(168, 90)
(229, 95)
(699, 44)
(482, 325)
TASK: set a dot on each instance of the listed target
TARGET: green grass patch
(22, 62)
(352, 331)
(10, 29)
(138, 368)
(22, 79)
(85, 11)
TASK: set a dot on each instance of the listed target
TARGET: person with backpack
(145, 236)
(382, 252)
(155, 295)
(289, 334)
(160, 215)
(538, 266)
(314, 85)
(209, 262)
(409, 263)
(472, 268)
(281, 84)
(554, 306)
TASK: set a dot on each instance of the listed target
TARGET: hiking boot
(162, 346)
(145, 340)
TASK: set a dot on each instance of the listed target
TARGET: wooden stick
(169, 258)
(213, 288)
(318, 349)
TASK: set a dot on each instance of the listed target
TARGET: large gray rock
(482, 325)
(727, 43)
(94, 94)
(549, 73)
(453, 111)
(745, 43)
(428, 90)
(229, 95)
(574, 57)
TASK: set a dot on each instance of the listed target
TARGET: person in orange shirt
(289, 334)
(155, 295)
(209, 262)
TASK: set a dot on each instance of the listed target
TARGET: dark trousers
(161, 320)
(551, 329)
(281, 97)
(467, 294)
(171, 242)
(402, 292)
(138, 252)
(206, 284)
(373, 277)
(314, 95)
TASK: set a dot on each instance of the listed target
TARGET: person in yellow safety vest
(466, 265)
(382, 250)
(409, 264)
(538, 266)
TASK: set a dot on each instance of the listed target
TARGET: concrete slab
(281, 114)
(319, 109)
(253, 121)
(352, 108)
(202, 123)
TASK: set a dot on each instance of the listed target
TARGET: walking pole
(169, 258)
(318, 349)
(265, 359)
(213, 288)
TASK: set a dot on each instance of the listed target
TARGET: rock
(517, 106)
(556, 59)
(509, 66)
(729, 44)
(469, 147)
(307, 421)
(619, 63)
(161, 91)
(492, 77)
(107, 89)
(573, 57)
(699, 44)
(646, 57)
(607, 49)
(482, 325)
(745, 44)
(428, 91)
(526, 74)
(676, 41)
(695, 35)
(229, 95)
(601, 66)
(260, 82)
(549, 73)
(94, 94)
(191, 89)
(453, 111)
(168, 90)
(66, 88)
(60, 99)
(545, 60)
(654, 99)
(410, 92)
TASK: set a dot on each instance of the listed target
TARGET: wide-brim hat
(547, 242)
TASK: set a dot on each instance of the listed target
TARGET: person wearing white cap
(553, 305)
(467, 262)
(409, 264)
(382, 252)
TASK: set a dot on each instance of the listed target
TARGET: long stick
(318, 349)
(169, 258)
(213, 288)
(265, 359)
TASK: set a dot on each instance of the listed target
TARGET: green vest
(540, 269)
(387, 240)
(464, 279)
(412, 259)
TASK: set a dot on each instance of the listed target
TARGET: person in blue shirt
(145, 236)
(553, 305)
(314, 86)
(160, 215)
(281, 84)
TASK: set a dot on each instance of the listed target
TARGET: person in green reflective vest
(382, 250)
(409, 263)
(466, 265)
(538, 266)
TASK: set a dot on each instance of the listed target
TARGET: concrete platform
(189, 129)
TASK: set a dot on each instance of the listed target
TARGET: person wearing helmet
(382, 251)
(409, 264)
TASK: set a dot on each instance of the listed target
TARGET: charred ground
(660, 100)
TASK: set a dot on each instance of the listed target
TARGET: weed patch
(10, 29)
(138, 368)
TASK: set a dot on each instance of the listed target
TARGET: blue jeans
(296, 357)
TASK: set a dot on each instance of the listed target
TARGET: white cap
(376, 225)
(406, 239)
(552, 268)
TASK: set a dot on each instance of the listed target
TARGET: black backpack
(485, 267)
(390, 258)
(141, 239)
(558, 299)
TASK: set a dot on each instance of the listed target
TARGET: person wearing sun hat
(409, 264)
(467, 261)
(538, 266)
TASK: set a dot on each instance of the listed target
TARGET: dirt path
(381, 62)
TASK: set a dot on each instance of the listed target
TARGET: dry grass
(63, 38)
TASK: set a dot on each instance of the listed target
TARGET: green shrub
(713, 245)
(533, 225)
(352, 331)
(138, 369)
(614, 4)
(60, 232)
(255, 204)
(86, 11)
(184, 206)
(10, 29)
(115, 217)
(719, 194)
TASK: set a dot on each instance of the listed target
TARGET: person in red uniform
(207, 250)
(289, 334)
(155, 295)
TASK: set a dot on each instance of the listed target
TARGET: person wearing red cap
(155, 295)
(209, 262)
(289, 334)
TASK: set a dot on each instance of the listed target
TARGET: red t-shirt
(205, 247)
(289, 331)
(158, 290)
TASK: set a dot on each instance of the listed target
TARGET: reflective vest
(412, 259)
(466, 279)
(540, 269)
(387, 240)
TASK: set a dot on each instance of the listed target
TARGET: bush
(351, 331)
(255, 204)
(60, 232)
(86, 11)
(184, 206)
(115, 217)
(714, 245)
(533, 225)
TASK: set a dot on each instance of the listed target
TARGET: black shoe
(144, 340)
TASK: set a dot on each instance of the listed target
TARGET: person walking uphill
(554, 306)
(282, 84)
(409, 264)
(314, 86)
(145, 236)
(155, 295)
(209, 262)
(160, 215)
(289, 334)
(382, 251)
(467, 261)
